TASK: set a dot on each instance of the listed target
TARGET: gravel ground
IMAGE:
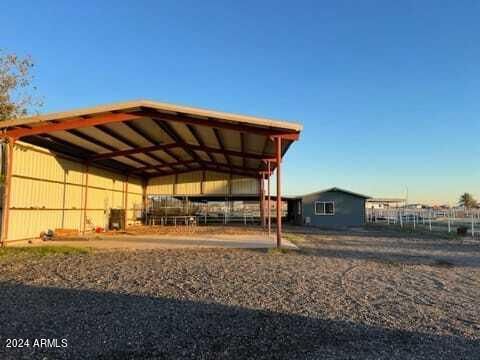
(343, 295)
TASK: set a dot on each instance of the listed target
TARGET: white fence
(451, 220)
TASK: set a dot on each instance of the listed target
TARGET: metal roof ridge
(339, 190)
(159, 106)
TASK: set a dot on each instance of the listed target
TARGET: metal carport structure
(147, 139)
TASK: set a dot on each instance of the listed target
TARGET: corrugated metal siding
(162, 185)
(244, 186)
(48, 192)
(190, 184)
(216, 183)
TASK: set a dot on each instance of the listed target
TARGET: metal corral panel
(216, 183)
(189, 183)
(48, 192)
(244, 186)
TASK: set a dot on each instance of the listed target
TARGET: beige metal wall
(48, 192)
(191, 183)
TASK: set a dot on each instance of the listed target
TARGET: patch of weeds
(421, 231)
(40, 251)
(390, 262)
(294, 238)
(453, 236)
(276, 251)
(443, 263)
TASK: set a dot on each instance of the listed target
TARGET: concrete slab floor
(148, 242)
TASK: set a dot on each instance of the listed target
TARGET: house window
(324, 208)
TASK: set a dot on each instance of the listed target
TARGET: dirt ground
(364, 294)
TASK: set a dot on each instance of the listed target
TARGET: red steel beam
(170, 165)
(183, 145)
(103, 144)
(221, 145)
(147, 136)
(189, 162)
(175, 136)
(126, 141)
(233, 172)
(75, 123)
(138, 150)
(193, 130)
(254, 172)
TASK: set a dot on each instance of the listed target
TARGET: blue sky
(388, 91)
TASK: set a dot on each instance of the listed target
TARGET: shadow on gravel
(410, 244)
(393, 258)
(118, 326)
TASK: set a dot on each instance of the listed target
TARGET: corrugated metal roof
(160, 106)
(155, 138)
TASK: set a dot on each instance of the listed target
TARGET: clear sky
(388, 91)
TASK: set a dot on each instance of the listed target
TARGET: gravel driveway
(341, 296)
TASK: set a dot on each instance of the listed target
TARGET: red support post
(269, 208)
(8, 190)
(262, 202)
(202, 183)
(144, 201)
(278, 155)
(125, 219)
(85, 202)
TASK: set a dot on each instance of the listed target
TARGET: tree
(467, 201)
(16, 86)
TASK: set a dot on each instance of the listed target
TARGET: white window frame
(324, 213)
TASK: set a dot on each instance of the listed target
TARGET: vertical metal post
(269, 214)
(8, 190)
(175, 181)
(144, 201)
(85, 203)
(278, 156)
(262, 202)
(473, 227)
(125, 217)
